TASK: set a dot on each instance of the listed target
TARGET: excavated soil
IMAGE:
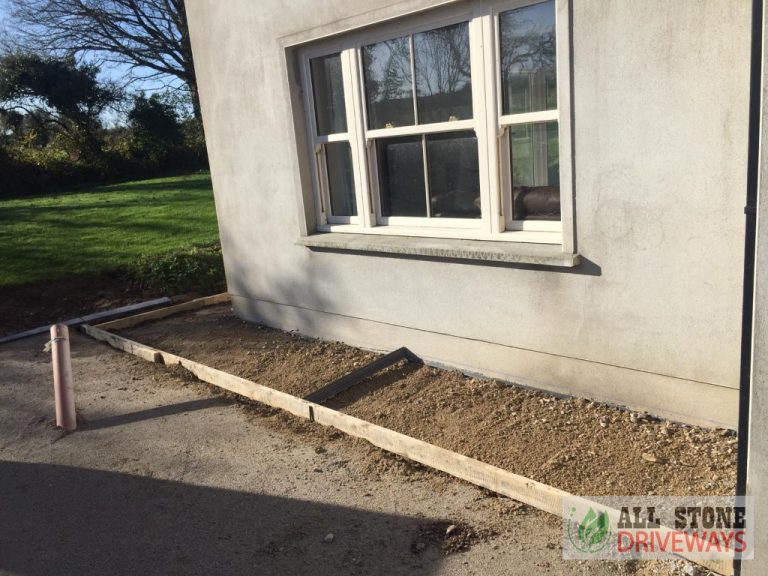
(574, 444)
(38, 303)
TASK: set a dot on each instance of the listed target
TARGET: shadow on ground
(72, 521)
(157, 412)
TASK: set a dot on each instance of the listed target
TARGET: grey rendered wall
(651, 320)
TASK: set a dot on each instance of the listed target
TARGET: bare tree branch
(140, 34)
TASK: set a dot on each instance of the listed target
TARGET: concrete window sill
(451, 248)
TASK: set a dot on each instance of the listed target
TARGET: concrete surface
(165, 479)
(660, 125)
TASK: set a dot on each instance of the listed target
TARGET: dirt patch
(280, 360)
(32, 305)
(580, 446)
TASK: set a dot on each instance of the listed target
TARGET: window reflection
(388, 83)
(454, 175)
(328, 88)
(443, 81)
(535, 161)
(401, 176)
(442, 78)
(341, 181)
(528, 72)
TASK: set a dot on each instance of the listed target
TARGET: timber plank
(137, 319)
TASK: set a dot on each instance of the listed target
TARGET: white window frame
(490, 126)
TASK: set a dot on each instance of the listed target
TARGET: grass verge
(198, 269)
(117, 227)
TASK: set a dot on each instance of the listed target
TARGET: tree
(156, 130)
(56, 93)
(527, 45)
(442, 56)
(11, 125)
(150, 36)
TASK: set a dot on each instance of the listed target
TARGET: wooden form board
(137, 319)
(525, 490)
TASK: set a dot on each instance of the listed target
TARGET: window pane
(341, 182)
(388, 84)
(401, 177)
(454, 178)
(443, 83)
(535, 171)
(528, 72)
(329, 94)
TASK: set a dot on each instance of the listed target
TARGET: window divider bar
(325, 139)
(529, 117)
(319, 163)
(426, 173)
(413, 79)
(357, 112)
(565, 126)
(451, 126)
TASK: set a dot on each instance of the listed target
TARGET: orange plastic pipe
(63, 393)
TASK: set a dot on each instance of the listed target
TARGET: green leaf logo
(594, 528)
(592, 534)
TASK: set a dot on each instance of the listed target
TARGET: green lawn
(102, 228)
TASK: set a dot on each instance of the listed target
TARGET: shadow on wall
(305, 293)
(72, 521)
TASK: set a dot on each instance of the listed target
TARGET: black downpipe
(750, 210)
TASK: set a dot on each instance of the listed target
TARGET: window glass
(443, 82)
(454, 176)
(341, 181)
(528, 68)
(401, 176)
(328, 88)
(388, 83)
(535, 161)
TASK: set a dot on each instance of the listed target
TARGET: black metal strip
(87, 319)
(348, 381)
(750, 248)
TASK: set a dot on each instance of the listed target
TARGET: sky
(113, 72)
(3, 13)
